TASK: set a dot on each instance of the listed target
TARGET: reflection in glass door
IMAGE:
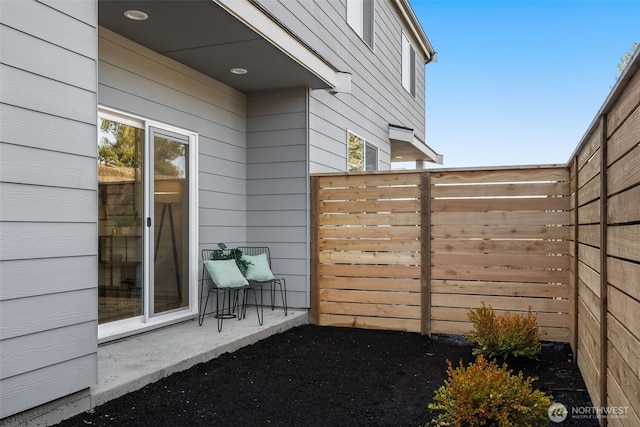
(146, 224)
(170, 237)
(120, 211)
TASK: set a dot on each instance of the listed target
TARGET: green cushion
(258, 268)
(225, 273)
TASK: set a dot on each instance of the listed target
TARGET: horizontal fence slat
(469, 231)
(396, 271)
(501, 190)
(500, 218)
(359, 257)
(364, 322)
(372, 283)
(503, 260)
(533, 247)
(364, 219)
(387, 232)
(550, 305)
(511, 204)
(377, 310)
(500, 288)
(500, 274)
(375, 297)
(369, 245)
(351, 206)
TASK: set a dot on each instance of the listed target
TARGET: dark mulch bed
(323, 376)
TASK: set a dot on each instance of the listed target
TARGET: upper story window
(360, 18)
(408, 66)
(361, 155)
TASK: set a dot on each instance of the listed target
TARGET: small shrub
(484, 394)
(508, 335)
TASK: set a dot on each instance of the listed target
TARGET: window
(361, 155)
(408, 66)
(360, 18)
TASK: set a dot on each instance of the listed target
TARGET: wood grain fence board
(469, 231)
(542, 174)
(370, 219)
(387, 244)
(533, 247)
(370, 297)
(624, 105)
(504, 204)
(623, 374)
(369, 193)
(626, 344)
(589, 299)
(545, 189)
(371, 310)
(500, 218)
(522, 304)
(589, 235)
(590, 277)
(625, 173)
(624, 242)
(351, 206)
(589, 192)
(364, 322)
(590, 213)
(624, 138)
(396, 232)
(497, 274)
(589, 256)
(513, 289)
(626, 309)
(558, 320)
(372, 284)
(624, 275)
(591, 170)
(617, 398)
(623, 207)
(397, 271)
(375, 258)
(369, 179)
(590, 145)
(525, 261)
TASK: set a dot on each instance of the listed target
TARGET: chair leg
(283, 293)
(202, 309)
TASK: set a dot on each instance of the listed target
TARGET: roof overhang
(412, 22)
(407, 147)
(222, 35)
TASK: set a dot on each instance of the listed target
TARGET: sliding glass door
(146, 222)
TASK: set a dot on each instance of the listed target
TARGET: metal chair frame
(281, 282)
(229, 295)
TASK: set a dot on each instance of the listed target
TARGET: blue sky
(519, 82)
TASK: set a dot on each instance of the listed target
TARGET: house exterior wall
(377, 97)
(139, 81)
(48, 212)
(277, 185)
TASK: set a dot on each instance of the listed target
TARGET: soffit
(203, 36)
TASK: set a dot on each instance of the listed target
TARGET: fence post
(315, 250)
(603, 267)
(576, 260)
(425, 252)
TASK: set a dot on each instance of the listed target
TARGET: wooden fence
(414, 251)
(605, 266)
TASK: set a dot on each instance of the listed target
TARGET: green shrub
(508, 335)
(484, 394)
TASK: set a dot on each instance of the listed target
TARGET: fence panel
(367, 245)
(501, 237)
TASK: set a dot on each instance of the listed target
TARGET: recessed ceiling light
(136, 15)
(238, 70)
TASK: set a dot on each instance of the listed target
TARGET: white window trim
(408, 66)
(364, 160)
(134, 325)
(356, 20)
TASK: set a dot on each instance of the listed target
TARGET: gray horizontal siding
(136, 80)
(20, 393)
(277, 200)
(377, 97)
(46, 276)
(48, 213)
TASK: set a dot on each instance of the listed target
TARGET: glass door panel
(170, 210)
(120, 213)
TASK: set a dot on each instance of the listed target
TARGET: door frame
(122, 328)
